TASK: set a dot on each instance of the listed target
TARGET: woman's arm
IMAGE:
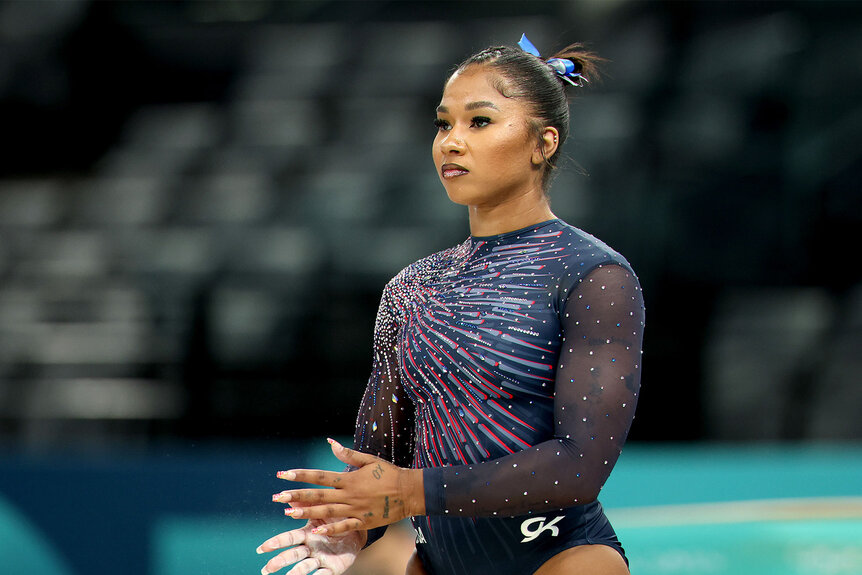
(384, 428)
(384, 423)
(596, 391)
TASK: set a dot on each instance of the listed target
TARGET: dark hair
(530, 79)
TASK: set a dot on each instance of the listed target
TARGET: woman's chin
(460, 196)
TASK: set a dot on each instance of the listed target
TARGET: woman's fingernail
(264, 571)
(259, 550)
(319, 530)
(289, 475)
(292, 512)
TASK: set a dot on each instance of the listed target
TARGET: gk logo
(529, 534)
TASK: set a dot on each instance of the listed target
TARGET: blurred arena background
(201, 201)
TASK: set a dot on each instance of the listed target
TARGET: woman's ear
(548, 143)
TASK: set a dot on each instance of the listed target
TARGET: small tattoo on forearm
(385, 506)
(378, 472)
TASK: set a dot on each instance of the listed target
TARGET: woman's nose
(452, 144)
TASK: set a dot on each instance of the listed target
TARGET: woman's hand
(377, 493)
(310, 551)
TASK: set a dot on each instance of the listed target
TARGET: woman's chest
(487, 328)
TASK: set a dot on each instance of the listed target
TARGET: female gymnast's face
(484, 151)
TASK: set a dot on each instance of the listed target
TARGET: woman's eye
(480, 121)
(441, 124)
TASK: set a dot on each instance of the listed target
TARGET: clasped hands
(376, 493)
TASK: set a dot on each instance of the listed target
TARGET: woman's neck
(514, 214)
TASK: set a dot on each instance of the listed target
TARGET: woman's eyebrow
(480, 104)
(471, 106)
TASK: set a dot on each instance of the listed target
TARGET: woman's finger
(327, 511)
(307, 496)
(286, 539)
(351, 456)
(284, 559)
(304, 567)
(313, 476)
(339, 527)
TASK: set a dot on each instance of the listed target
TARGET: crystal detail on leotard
(469, 341)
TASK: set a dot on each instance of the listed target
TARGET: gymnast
(506, 369)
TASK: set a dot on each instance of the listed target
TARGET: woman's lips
(453, 170)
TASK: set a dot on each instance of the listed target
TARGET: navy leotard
(508, 369)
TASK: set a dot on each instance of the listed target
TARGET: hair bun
(569, 63)
(586, 63)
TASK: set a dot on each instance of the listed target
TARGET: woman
(506, 369)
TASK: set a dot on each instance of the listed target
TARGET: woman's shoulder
(585, 253)
(588, 251)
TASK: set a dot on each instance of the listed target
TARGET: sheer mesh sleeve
(596, 390)
(384, 424)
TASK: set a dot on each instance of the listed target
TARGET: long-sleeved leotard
(508, 368)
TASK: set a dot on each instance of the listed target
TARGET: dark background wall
(200, 203)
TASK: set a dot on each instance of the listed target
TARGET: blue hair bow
(564, 68)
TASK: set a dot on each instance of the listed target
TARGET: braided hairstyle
(530, 79)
